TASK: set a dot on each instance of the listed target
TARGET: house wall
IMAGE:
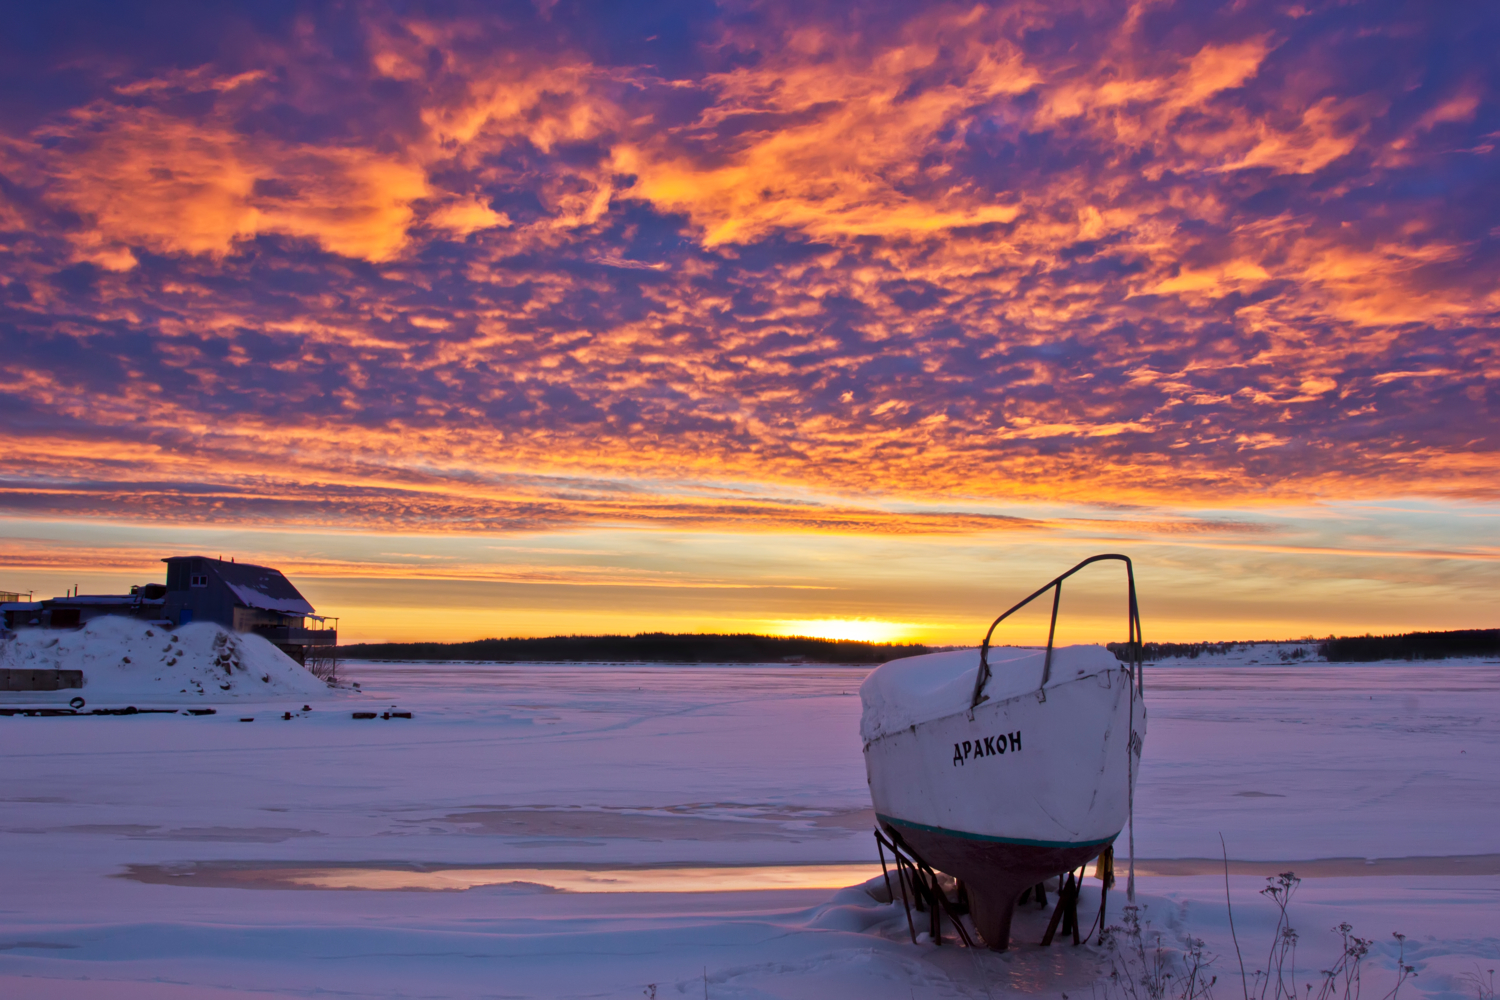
(74, 612)
(246, 619)
(213, 602)
(19, 614)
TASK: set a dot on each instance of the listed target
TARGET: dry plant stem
(1346, 971)
(1244, 982)
(1284, 944)
(1141, 972)
(1403, 971)
(1483, 985)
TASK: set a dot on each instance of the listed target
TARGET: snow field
(111, 830)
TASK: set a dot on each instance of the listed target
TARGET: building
(238, 596)
(76, 610)
(20, 614)
(247, 598)
(16, 607)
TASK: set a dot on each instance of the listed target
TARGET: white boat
(1004, 766)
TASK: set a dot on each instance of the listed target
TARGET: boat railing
(1133, 623)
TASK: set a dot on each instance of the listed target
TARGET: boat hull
(1014, 791)
(994, 873)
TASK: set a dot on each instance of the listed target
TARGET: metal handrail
(1137, 675)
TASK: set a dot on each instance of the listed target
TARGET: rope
(1130, 794)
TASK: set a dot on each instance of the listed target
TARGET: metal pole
(1051, 634)
(983, 674)
(883, 871)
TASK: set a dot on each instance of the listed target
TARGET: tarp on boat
(918, 689)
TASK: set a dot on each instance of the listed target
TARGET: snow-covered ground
(202, 856)
(130, 661)
(1245, 654)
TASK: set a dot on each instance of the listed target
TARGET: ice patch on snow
(123, 659)
(918, 689)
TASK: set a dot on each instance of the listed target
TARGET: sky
(849, 319)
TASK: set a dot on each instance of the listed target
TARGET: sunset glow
(841, 320)
(859, 629)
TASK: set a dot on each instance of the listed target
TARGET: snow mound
(125, 659)
(917, 689)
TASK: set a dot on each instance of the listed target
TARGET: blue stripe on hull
(985, 838)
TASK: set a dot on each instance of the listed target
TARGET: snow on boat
(1004, 766)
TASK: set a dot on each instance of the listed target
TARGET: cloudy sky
(845, 318)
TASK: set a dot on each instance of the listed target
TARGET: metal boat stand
(920, 887)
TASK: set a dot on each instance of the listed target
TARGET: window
(199, 580)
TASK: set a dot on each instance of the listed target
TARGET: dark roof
(256, 586)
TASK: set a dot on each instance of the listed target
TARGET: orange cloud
(839, 150)
(465, 217)
(144, 178)
(980, 252)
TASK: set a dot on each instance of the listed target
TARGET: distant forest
(656, 647)
(659, 647)
(1412, 646)
(1343, 649)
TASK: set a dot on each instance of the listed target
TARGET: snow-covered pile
(125, 659)
(1238, 654)
(918, 689)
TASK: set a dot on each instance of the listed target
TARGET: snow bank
(1394, 761)
(123, 659)
(918, 689)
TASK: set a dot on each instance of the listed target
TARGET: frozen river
(593, 830)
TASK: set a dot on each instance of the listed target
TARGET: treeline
(1151, 651)
(658, 647)
(1412, 646)
(1338, 649)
